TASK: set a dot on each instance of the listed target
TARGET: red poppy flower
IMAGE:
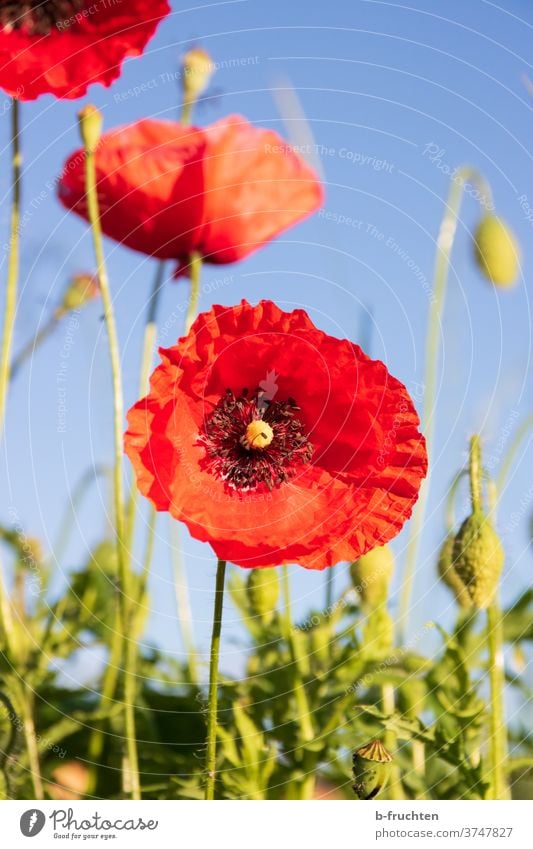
(167, 190)
(276, 443)
(62, 46)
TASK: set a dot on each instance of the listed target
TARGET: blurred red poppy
(60, 47)
(167, 190)
(276, 443)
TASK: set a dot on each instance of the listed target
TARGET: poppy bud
(90, 120)
(448, 573)
(478, 558)
(198, 69)
(371, 770)
(263, 593)
(496, 250)
(81, 289)
(371, 575)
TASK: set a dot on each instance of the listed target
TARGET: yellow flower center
(258, 435)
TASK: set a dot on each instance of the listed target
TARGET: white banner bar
(254, 826)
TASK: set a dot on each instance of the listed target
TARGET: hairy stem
(498, 734)
(445, 242)
(132, 771)
(183, 605)
(211, 754)
(304, 716)
(192, 308)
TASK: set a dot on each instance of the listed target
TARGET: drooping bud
(497, 251)
(478, 558)
(371, 770)
(91, 121)
(448, 573)
(197, 70)
(81, 289)
(263, 593)
(371, 575)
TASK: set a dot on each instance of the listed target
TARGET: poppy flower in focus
(168, 190)
(61, 47)
(275, 442)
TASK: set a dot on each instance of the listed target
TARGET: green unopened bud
(197, 68)
(263, 593)
(371, 770)
(448, 573)
(81, 289)
(497, 251)
(478, 558)
(91, 121)
(371, 575)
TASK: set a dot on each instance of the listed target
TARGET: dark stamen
(231, 458)
(38, 17)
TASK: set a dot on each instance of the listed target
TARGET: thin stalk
(520, 434)
(9, 315)
(211, 754)
(445, 242)
(30, 347)
(78, 494)
(304, 716)
(118, 408)
(13, 263)
(187, 107)
(186, 111)
(183, 605)
(150, 334)
(329, 588)
(31, 741)
(475, 474)
(498, 734)
(419, 758)
(109, 683)
(192, 308)
(494, 633)
(388, 706)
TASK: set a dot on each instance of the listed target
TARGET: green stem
(70, 513)
(186, 111)
(13, 263)
(150, 334)
(522, 431)
(41, 336)
(445, 243)
(303, 709)
(183, 605)
(388, 706)
(211, 755)
(109, 683)
(133, 780)
(498, 734)
(9, 318)
(475, 474)
(450, 499)
(31, 741)
(329, 588)
(192, 308)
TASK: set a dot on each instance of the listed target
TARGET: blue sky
(396, 97)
